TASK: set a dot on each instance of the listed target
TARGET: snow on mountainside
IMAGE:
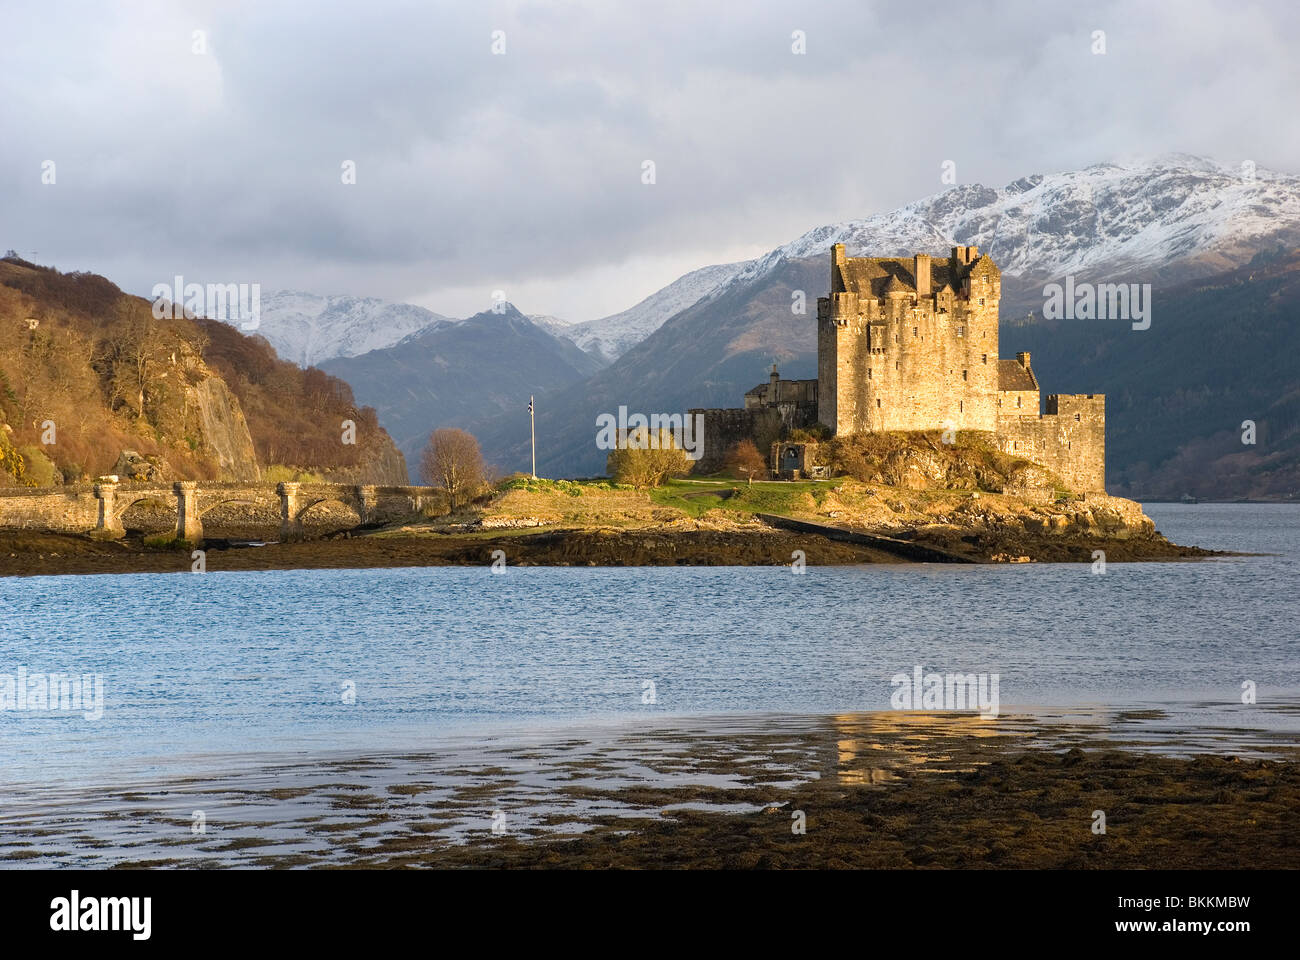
(610, 337)
(555, 326)
(309, 329)
(1176, 217)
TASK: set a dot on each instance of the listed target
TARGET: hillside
(611, 337)
(1220, 350)
(454, 374)
(707, 355)
(88, 374)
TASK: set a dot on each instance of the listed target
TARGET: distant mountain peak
(308, 328)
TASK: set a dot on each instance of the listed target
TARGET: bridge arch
(309, 513)
(149, 513)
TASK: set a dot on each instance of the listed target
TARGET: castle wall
(1069, 439)
(1017, 403)
(725, 427)
(908, 361)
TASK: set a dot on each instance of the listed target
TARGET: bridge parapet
(99, 507)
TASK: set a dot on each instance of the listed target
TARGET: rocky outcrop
(132, 465)
(225, 432)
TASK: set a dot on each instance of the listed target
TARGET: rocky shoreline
(756, 544)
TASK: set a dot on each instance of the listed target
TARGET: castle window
(877, 401)
(963, 375)
(914, 331)
(869, 377)
(961, 331)
(999, 401)
(961, 406)
(981, 301)
(898, 364)
(984, 358)
(1017, 401)
(1076, 416)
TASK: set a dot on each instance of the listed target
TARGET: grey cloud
(476, 169)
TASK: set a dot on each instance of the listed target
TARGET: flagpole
(532, 432)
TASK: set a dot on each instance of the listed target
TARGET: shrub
(645, 460)
(40, 469)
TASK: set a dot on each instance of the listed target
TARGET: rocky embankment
(1001, 529)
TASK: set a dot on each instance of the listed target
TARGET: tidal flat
(879, 790)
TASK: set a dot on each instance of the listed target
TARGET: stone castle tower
(911, 343)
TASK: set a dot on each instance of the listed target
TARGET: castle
(911, 343)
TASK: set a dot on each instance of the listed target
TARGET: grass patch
(167, 541)
(697, 497)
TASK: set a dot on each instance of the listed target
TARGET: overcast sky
(522, 171)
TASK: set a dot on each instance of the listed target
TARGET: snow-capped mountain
(1173, 218)
(1176, 217)
(610, 337)
(309, 329)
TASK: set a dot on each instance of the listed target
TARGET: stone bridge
(98, 508)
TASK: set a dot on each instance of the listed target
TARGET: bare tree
(743, 460)
(452, 460)
(131, 353)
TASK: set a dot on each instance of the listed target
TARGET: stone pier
(109, 522)
(189, 524)
(290, 512)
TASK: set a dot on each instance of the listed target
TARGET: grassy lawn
(590, 504)
(695, 497)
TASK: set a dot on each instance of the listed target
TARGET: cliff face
(91, 380)
(225, 431)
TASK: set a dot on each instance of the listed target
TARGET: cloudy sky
(522, 171)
